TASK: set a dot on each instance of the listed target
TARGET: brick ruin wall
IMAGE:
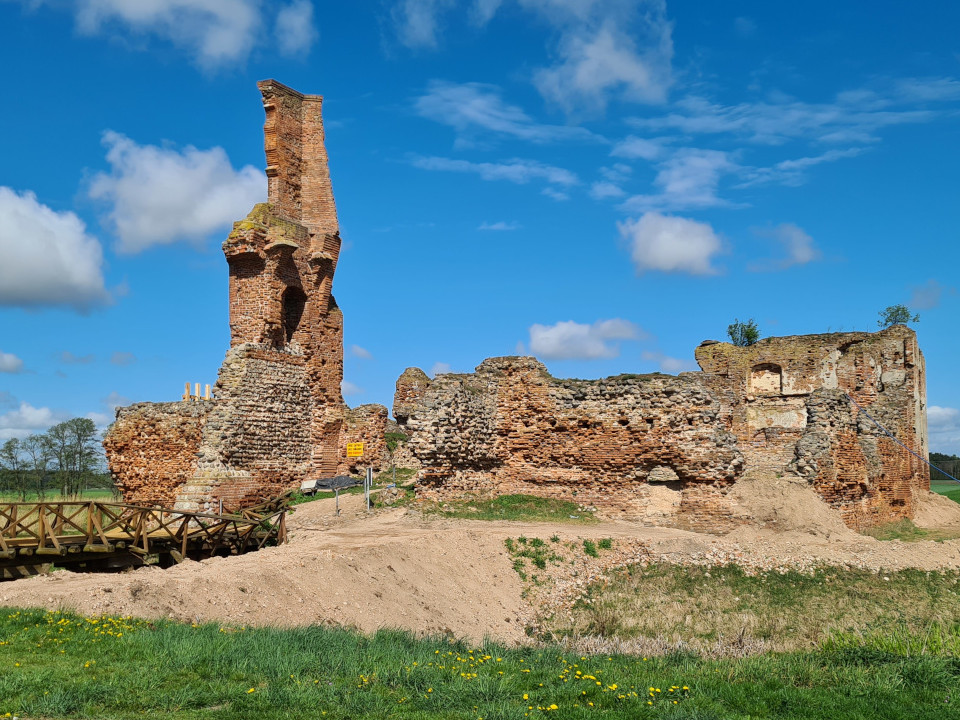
(277, 417)
(668, 449)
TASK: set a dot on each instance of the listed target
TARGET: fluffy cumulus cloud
(10, 363)
(69, 358)
(27, 419)
(518, 170)
(569, 340)
(417, 21)
(360, 352)
(160, 195)
(215, 33)
(671, 244)
(944, 426)
(797, 247)
(48, 257)
(115, 400)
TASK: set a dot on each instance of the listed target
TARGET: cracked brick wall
(667, 449)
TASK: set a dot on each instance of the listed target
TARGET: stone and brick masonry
(667, 449)
(663, 448)
(277, 416)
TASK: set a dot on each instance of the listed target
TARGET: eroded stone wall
(667, 448)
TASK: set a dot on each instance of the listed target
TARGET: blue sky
(601, 183)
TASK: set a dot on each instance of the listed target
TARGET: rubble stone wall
(667, 448)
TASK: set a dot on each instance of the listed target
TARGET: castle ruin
(668, 449)
(277, 416)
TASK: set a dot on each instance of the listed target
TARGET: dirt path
(434, 575)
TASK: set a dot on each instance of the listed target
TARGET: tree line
(65, 460)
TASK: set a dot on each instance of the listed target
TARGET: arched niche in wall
(294, 302)
(766, 379)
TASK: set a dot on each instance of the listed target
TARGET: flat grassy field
(102, 495)
(57, 665)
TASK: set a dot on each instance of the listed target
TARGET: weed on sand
(57, 665)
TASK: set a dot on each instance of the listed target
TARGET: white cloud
(27, 419)
(688, 179)
(798, 247)
(295, 31)
(349, 388)
(360, 352)
(634, 147)
(618, 173)
(501, 226)
(68, 358)
(605, 190)
(160, 196)
(101, 420)
(569, 340)
(605, 48)
(123, 358)
(416, 21)
(471, 108)
(853, 116)
(599, 62)
(10, 363)
(48, 257)
(671, 244)
(928, 295)
(440, 368)
(943, 424)
(214, 32)
(792, 172)
(668, 364)
(516, 171)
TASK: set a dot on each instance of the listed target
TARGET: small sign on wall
(355, 449)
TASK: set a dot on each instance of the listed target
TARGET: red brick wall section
(153, 447)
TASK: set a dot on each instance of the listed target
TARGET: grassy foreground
(55, 665)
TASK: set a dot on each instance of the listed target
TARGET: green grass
(947, 488)
(721, 609)
(527, 508)
(101, 494)
(906, 531)
(62, 666)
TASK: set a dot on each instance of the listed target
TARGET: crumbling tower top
(298, 176)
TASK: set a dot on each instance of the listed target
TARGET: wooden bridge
(95, 536)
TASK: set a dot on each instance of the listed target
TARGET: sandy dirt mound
(434, 575)
(935, 511)
(788, 504)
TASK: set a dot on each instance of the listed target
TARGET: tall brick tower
(282, 259)
(277, 414)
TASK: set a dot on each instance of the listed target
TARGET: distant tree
(743, 333)
(38, 453)
(12, 463)
(896, 315)
(73, 449)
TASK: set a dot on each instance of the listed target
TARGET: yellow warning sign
(354, 449)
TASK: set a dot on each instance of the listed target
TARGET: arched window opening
(294, 303)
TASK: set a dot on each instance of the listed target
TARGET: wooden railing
(95, 535)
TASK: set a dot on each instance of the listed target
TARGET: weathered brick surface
(667, 448)
(366, 424)
(278, 414)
